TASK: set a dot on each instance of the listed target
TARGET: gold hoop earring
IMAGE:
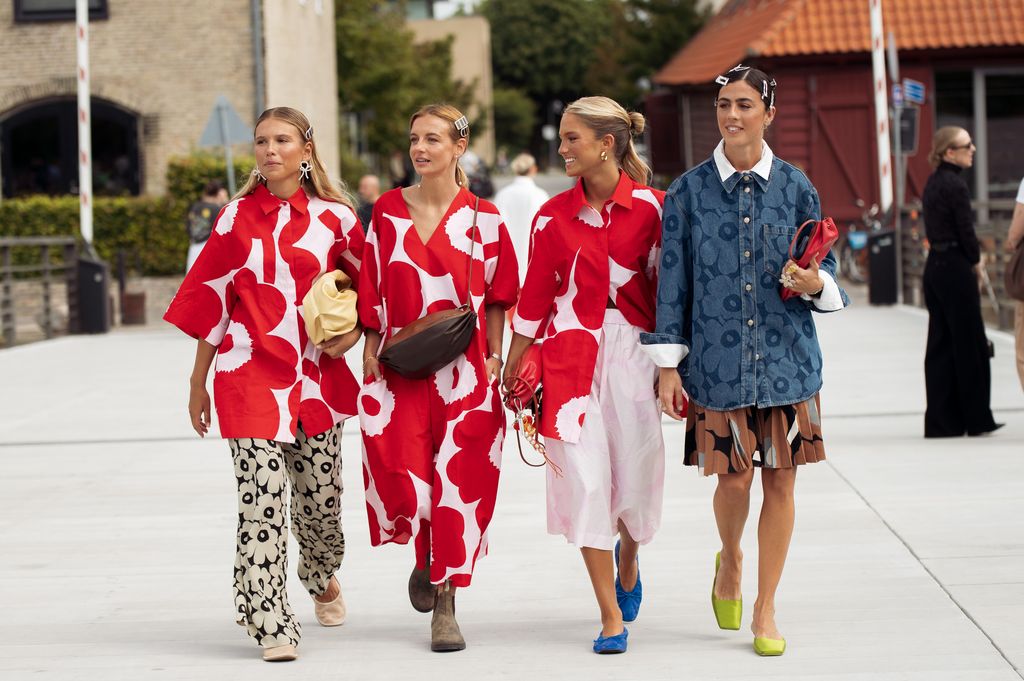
(604, 155)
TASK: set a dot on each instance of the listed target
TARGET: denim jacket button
(746, 220)
(746, 254)
(746, 178)
(748, 287)
(757, 356)
(750, 322)
(746, 189)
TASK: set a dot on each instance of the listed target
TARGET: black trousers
(957, 375)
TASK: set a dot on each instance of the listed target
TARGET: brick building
(157, 68)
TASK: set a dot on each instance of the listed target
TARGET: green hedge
(151, 230)
(186, 175)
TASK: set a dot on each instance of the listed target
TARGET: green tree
(514, 118)
(544, 47)
(660, 28)
(559, 50)
(383, 76)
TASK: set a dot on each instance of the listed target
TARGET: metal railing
(43, 269)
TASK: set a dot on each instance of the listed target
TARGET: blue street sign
(913, 90)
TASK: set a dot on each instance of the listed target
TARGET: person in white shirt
(518, 203)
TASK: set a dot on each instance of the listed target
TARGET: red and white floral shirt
(579, 260)
(244, 295)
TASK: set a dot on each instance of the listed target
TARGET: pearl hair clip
(462, 125)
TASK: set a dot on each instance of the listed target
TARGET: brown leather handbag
(429, 343)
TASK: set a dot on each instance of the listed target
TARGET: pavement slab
(115, 556)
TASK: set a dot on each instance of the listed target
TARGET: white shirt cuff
(666, 355)
(830, 299)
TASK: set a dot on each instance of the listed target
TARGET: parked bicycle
(852, 247)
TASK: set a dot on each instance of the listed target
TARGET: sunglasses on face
(969, 145)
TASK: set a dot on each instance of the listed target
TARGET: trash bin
(882, 268)
(93, 296)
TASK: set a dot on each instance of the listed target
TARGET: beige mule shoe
(331, 614)
(285, 653)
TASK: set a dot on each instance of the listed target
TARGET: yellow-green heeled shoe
(769, 647)
(727, 613)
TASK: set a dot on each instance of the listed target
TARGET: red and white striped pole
(885, 174)
(84, 122)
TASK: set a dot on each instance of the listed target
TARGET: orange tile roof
(780, 28)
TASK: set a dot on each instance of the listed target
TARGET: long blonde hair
(942, 141)
(607, 117)
(451, 114)
(318, 183)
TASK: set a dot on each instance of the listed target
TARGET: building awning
(746, 29)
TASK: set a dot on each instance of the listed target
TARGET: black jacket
(947, 211)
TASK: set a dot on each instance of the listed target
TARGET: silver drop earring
(258, 175)
(305, 168)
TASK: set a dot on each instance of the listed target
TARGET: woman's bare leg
(732, 505)
(774, 532)
(601, 567)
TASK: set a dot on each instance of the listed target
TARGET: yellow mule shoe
(727, 613)
(769, 647)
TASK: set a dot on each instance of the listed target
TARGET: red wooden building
(968, 53)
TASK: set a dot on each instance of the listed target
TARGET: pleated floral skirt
(735, 440)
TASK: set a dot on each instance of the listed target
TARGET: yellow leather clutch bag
(329, 308)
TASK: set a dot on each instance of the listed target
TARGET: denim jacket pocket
(776, 241)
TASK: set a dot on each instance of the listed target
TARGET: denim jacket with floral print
(720, 317)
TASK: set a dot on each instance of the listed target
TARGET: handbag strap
(472, 250)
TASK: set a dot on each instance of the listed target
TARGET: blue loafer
(629, 601)
(610, 645)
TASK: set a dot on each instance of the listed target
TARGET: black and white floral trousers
(264, 469)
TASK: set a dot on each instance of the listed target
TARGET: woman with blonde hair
(957, 374)
(280, 398)
(432, 446)
(588, 293)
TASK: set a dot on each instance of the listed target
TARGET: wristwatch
(496, 356)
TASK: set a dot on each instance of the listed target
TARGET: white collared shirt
(725, 169)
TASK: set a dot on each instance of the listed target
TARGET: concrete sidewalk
(116, 550)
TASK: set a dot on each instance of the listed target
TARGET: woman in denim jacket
(750, 362)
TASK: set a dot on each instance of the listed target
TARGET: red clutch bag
(522, 390)
(810, 242)
(523, 398)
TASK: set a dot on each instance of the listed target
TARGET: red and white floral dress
(432, 447)
(244, 295)
(581, 258)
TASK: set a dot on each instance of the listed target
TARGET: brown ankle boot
(445, 636)
(421, 591)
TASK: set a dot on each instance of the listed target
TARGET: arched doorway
(39, 150)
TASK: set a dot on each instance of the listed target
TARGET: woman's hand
(339, 345)
(492, 369)
(802, 280)
(670, 392)
(199, 409)
(371, 367)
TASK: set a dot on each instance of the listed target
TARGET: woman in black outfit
(956, 364)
